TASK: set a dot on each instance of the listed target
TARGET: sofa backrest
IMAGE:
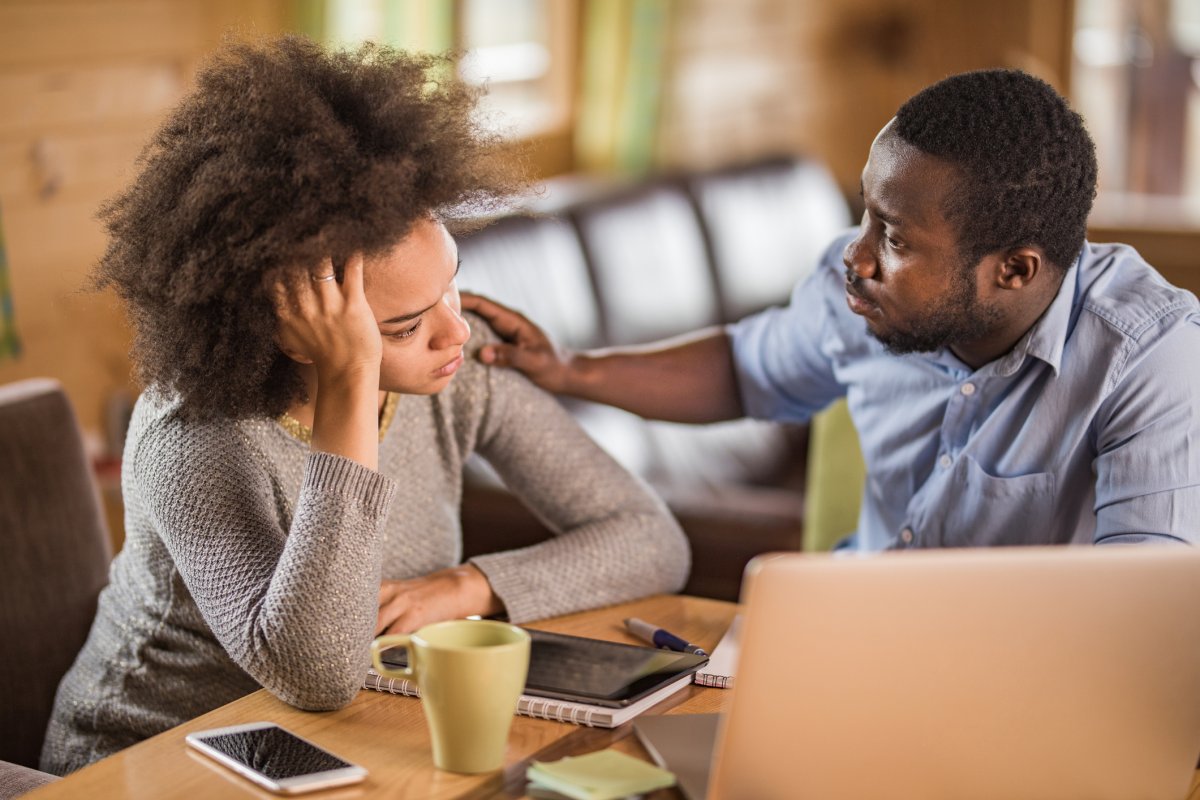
(535, 264)
(649, 263)
(628, 265)
(767, 224)
(607, 265)
(55, 558)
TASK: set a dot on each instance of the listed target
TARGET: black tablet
(592, 670)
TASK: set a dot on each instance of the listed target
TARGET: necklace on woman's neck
(298, 430)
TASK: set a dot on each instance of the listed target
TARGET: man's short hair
(1028, 163)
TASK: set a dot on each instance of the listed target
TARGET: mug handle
(386, 642)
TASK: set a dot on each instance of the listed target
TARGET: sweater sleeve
(293, 606)
(616, 539)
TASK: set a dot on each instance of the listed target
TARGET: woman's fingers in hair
(352, 277)
(290, 289)
(326, 285)
(277, 290)
(326, 321)
(323, 274)
(284, 296)
(296, 297)
(288, 315)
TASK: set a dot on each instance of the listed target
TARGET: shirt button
(945, 460)
(906, 535)
(967, 389)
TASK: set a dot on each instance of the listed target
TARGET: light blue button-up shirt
(1087, 431)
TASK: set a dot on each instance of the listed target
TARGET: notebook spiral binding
(717, 681)
(536, 707)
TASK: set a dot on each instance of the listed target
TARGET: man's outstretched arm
(685, 379)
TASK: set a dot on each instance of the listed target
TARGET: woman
(292, 475)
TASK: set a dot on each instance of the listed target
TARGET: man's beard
(957, 317)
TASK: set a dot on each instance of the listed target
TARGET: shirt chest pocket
(984, 510)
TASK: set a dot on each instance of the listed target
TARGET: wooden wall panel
(68, 333)
(78, 95)
(83, 84)
(98, 31)
(769, 76)
(762, 77)
(63, 165)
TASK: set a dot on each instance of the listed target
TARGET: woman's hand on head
(328, 323)
(451, 593)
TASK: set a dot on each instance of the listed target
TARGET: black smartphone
(275, 758)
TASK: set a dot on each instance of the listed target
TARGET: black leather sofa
(603, 264)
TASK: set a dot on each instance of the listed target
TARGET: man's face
(904, 273)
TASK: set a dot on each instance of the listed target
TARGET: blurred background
(621, 88)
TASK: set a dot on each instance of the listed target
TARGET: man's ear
(1020, 267)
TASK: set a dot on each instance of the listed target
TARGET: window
(523, 51)
(520, 49)
(1136, 80)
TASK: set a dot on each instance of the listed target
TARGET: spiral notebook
(722, 663)
(580, 680)
(576, 713)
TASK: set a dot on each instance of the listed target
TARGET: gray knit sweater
(251, 561)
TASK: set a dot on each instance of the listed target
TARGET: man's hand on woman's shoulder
(525, 346)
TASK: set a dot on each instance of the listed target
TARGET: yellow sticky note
(603, 775)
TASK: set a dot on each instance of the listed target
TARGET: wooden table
(386, 733)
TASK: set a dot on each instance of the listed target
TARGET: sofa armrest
(16, 780)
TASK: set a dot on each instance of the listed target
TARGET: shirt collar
(1048, 336)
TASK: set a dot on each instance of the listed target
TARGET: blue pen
(660, 638)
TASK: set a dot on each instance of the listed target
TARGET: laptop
(1033, 673)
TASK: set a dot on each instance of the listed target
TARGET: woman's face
(412, 293)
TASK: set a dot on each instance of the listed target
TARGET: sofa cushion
(767, 225)
(16, 780)
(534, 264)
(648, 263)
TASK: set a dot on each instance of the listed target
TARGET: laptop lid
(683, 744)
(1038, 673)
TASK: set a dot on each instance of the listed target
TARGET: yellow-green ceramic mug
(471, 674)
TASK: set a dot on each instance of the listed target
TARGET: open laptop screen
(1054, 673)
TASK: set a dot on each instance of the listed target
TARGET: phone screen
(274, 752)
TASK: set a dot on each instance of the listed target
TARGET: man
(1010, 382)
